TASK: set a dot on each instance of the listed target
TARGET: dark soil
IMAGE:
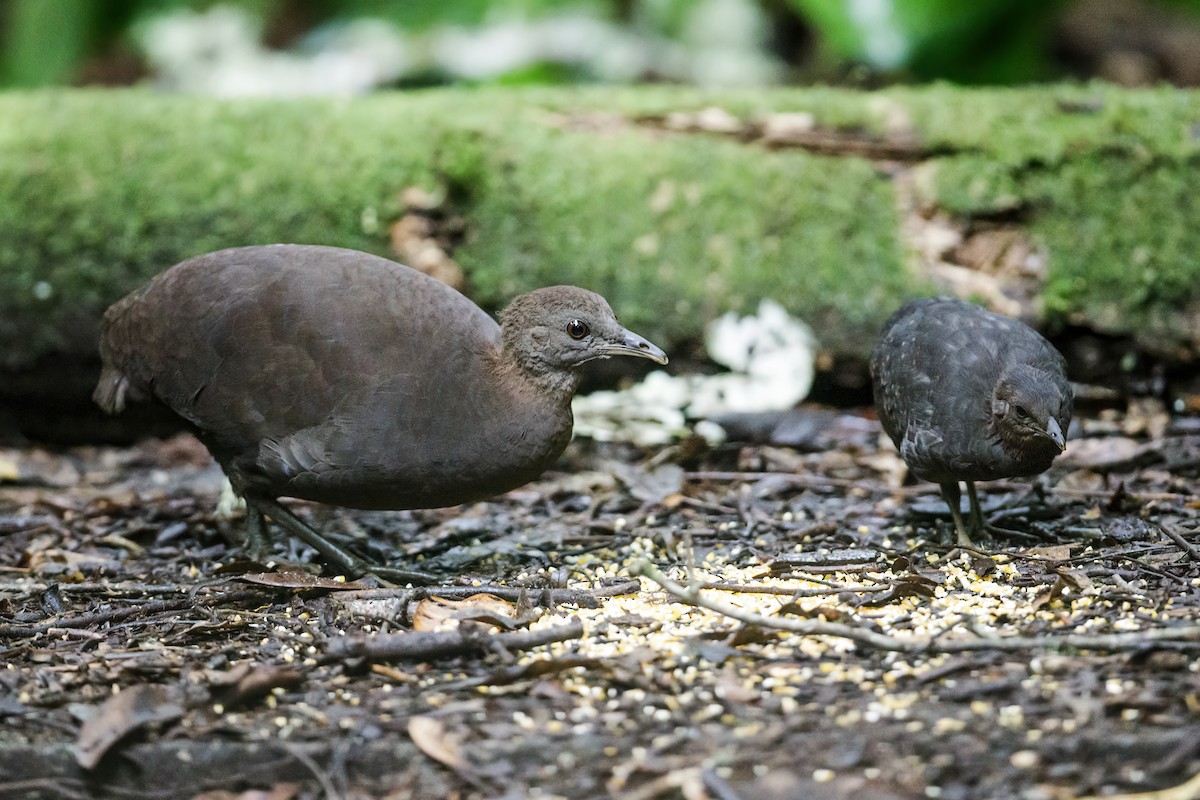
(144, 659)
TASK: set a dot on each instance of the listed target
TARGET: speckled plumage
(949, 380)
(341, 377)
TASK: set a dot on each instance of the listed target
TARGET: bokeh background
(293, 47)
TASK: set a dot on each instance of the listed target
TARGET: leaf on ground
(280, 791)
(9, 471)
(429, 734)
(438, 613)
(1052, 552)
(1107, 453)
(651, 486)
(1046, 596)
(122, 714)
(1077, 579)
(250, 681)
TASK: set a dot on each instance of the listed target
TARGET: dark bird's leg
(953, 495)
(338, 556)
(258, 545)
(978, 524)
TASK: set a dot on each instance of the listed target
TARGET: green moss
(103, 190)
(100, 190)
(1122, 244)
(676, 231)
(112, 187)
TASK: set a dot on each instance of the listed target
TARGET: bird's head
(1029, 411)
(552, 331)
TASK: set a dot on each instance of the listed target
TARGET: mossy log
(1073, 204)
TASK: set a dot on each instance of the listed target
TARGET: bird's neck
(536, 382)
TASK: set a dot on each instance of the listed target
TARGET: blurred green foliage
(980, 41)
(49, 42)
(44, 42)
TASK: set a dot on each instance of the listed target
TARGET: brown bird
(341, 377)
(968, 395)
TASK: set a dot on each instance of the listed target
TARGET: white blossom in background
(727, 43)
(771, 357)
(884, 43)
(219, 51)
(574, 38)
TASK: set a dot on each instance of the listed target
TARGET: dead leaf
(1081, 480)
(651, 486)
(122, 714)
(249, 681)
(38, 467)
(1188, 790)
(429, 734)
(1078, 579)
(1106, 453)
(1047, 596)
(439, 613)
(280, 791)
(1051, 552)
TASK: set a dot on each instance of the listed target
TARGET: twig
(584, 598)
(1188, 790)
(744, 588)
(309, 763)
(1184, 544)
(114, 615)
(1184, 634)
(110, 590)
(819, 482)
(433, 645)
(808, 481)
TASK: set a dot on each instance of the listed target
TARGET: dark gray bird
(968, 395)
(345, 378)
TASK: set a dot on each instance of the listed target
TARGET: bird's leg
(978, 524)
(338, 556)
(258, 545)
(953, 495)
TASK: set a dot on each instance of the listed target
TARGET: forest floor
(849, 650)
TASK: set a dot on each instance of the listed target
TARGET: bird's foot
(338, 557)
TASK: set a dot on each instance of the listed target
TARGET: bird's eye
(577, 329)
(1021, 412)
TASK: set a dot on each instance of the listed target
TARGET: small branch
(809, 481)
(114, 615)
(1184, 544)
(434, 645)
(820, 482)
(548, 597)
(1183, 635)
(745, 588)
(692, 597)
(1188, 790)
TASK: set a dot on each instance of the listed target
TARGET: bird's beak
(630, 344)
(1055, 432)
